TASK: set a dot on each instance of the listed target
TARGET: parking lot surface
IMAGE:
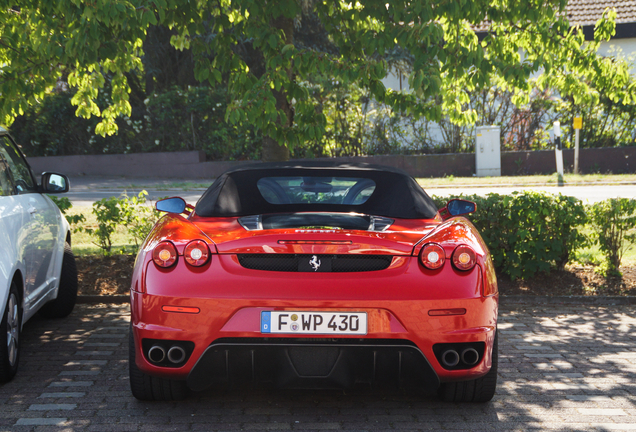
(561, 368)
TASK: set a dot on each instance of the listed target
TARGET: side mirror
(55, 183)
(457, 207)
(171, 205)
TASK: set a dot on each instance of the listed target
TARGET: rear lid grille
(315, 263)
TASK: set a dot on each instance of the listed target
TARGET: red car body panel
(224, 300)
(231, 297)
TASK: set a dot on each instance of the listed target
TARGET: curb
(525, 185)
(566, 300)
(503, 300)
(110, 299)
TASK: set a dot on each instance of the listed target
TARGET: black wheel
(67, 293)
(10, 327)
(149, 388)
(477, 390)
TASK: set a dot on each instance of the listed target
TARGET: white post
(557, 150)
(576, 152)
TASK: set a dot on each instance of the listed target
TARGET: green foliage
(109, 215)
(528, 232)
(614, 222)
(131, 212)
(193, 119)
(139, 216)
(64, 204)
(172, 120)
(248, 46)
(344, 107)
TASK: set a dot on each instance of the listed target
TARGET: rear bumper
(290, 363)
(229, 345)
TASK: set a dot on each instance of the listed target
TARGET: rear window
(316, 190)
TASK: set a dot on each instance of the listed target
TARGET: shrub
(139, 216)
(613, 220)
(194, 119)
(133, 213)
(172, 120)
(109, 216)
(528, 232)
(64, 204)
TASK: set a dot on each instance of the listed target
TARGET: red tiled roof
(587, 12)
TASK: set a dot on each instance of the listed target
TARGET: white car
(37, 267)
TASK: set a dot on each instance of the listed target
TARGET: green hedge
(527, 232)
(173, 120)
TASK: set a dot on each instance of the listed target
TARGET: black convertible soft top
(235, 193)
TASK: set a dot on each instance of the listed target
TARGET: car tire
(63, 305)
(150, 388)
(477, 390)
(10, 329)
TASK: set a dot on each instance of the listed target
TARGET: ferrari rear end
(316, 298)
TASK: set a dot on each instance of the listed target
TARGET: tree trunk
(273, 152)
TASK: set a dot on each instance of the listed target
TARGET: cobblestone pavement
(561, 368)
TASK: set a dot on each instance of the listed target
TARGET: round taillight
(196, 253)
(432, 256)
(164, 254)
(464, 258)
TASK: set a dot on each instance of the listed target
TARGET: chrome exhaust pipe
(470, 356)
(450, 358)
(176, 354)
(156, 354)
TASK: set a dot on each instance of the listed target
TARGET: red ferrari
(314, 275)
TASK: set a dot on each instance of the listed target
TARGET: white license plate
(294, 322)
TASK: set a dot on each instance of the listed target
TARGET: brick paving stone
(71, 384)
(562, 367)
(51, 407)
(41, 421)
(57, 395)
(87, 363)
(266, 426)
(94, 353)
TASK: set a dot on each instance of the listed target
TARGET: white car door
(11, 229)
(40, 230)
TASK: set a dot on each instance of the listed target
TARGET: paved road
(86, 190)
(562, 368)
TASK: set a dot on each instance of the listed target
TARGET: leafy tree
(250, 44)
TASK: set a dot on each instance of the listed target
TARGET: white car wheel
(13, 330)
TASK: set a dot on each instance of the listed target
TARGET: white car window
(19, 170)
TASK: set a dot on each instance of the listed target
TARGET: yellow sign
(578, 122)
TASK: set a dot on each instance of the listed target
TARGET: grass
(534, 180)
(184, 186)
(84, 244)
(592, 255)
